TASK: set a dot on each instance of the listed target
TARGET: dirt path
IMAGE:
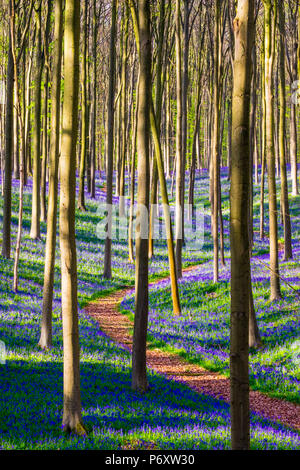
(117, 326)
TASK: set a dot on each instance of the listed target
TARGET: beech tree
(36, 196)
(72, 420)
(239, 227)
(270, 22)
(139, 375)
(110, 141)
(45, 341)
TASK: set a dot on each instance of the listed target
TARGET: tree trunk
(36, 199)
(94, 104)
(239, 228)
(84, 114)
(288, 254)
(19, 114)
(270, 151)
(16, 168)
(72, 420)
(45, 341)
(132, 183)
(293, 150)
(110, 142)
(263, 143)
(158, 107)
(179, 154)
(45, 131)
(124, 115)
(139, 375)
(6, 240)
(215, 146)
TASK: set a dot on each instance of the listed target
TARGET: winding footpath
(119, 328)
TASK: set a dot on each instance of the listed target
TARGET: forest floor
(118, 327)
(172, 415)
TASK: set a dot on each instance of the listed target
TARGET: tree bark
(84, 116)
(46, 101)
(270, 151)
(179, 154)
(215, 146)
(45, 341)
(6, 240)
(139, 374)
(36, 198)
(72, 420)
(239, 228)
(110, 142)
(288, 253)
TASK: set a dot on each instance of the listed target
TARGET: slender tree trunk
(139, 375)
(72, 419)
(158, 108)
(45, 341)
(124, 115)
(168, 118)
(6, 240)
(94, 104)
(45, 151)
(84, 118)
(288, 254)
(110, 141)
(179, 154)
(293, 149)
(185, 88)
(162, 180)
(215, 146)
(239, 228)
(229, 138)
(36, 199)
(18, 111)
(270, 152)
(46, 101)
(263, 144)
(252, 140)
(27, 119)
(16, 168)
(132, 182)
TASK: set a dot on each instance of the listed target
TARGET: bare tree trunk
(124, 114)
(185, 86)
(263, 144)
(72, 419)
(162, 180)
(84, 117)
(16, 168)
(215, 146)
(110, 142)
(270, 153)
(179, 154)
(288, 253)
(94, 104)
(158, 107)
(6, 240)
(132, 182)
(139, 374)
(27, 119)
(293, 150)
(45, 341)
(239, 228)
(36, 199)
(46, 101)
(19, 114)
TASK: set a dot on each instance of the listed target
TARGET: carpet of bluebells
(201, 334)
(170, 416)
